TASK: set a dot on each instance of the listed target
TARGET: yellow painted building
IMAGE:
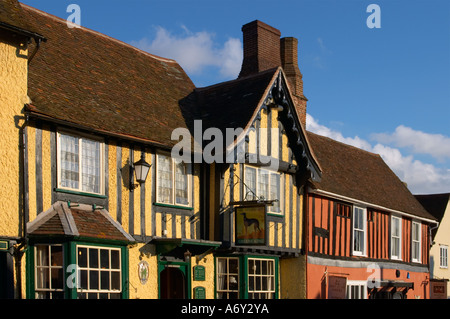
(81, 112)
(439, 206)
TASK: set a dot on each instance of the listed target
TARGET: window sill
(173, 206)
(68, 191)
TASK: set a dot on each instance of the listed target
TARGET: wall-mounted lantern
(141, 169)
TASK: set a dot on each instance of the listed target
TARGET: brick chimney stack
(264, 50)
(261, 48)
(289, 60)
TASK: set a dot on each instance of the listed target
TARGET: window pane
(57, 278)
(115, 259)
(181, 183)
(104, 258)
(93, 258)
(115, 280)
(93, 279)
(91, 166)
(164, 179)
(275, 192)
(82, 257)
(42, 280)
(104, 279)
(42, 255)
(250, 182)
(56, 256)
(69, 161)
(263, 184)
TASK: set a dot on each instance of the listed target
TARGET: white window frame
(363, 230)
(258, 172)
(443, 256)
(358, 287)
(227, 275)
(399, 237)
(269, 277)
(50, 267)
(99, 269)
(173, 171)
(81, 137)
(418, 242)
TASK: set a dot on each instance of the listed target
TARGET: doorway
(174, 280)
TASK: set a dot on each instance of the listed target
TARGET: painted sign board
(337, 287)
(438, 289)
(250, 225)
(199, 293)
(199, 273)
(4, 245)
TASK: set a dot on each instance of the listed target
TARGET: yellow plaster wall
(442, 238)
(13, 96)
(208, 284)
(293, 278)
(138, 290)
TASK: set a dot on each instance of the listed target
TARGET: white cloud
(195, 51)
(421, 178)
(436, 145)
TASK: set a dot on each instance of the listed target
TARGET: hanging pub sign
(250, 225)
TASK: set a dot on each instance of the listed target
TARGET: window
(356, 290)
(396, 237)
(443, 256)
(49, 274)
(415, 245)
(263, 184)
(261, 278)
(227, 278)
(80, 164)
(100, 272)
(359, 230)
(173, 182)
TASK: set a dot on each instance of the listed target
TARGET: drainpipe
(38, 45)
(430, 230)
(20, 250)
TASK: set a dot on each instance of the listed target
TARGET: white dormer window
(173, 182)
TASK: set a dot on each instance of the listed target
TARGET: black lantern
(141, 169)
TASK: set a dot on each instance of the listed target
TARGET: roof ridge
(345, 144)
(97, 33)
(244, 78)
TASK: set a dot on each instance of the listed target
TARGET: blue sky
(386, 89)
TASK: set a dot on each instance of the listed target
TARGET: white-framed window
(443, 256)
(396, 237)
(227, 277)
(263, 184)
(173, 182)
(80, 163)
(100, 271)
(415, 241)
(49, 272)
(356, 289)
(359, 230)
(261, 278)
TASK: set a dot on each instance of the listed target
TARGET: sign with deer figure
(250, 225)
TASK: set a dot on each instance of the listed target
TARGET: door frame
(184, 267)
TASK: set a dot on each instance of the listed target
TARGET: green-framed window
(246, 277)
(77, 270)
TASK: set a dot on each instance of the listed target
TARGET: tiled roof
(357, 174)
(435, 204)
(77, 220)
(229, 104)
(92, 81)
(11, 15)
